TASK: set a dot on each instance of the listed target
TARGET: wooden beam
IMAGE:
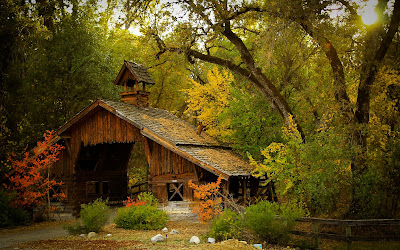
(147, 150)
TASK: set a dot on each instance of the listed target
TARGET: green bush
(228, 225)
(148, 198)
(144, 217)
(262, 220)
(94, 216)
(11, 216)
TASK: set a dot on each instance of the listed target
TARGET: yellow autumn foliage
(207, 101)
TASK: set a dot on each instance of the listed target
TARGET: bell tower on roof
(131, 76)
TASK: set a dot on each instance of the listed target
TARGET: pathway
(28, 235)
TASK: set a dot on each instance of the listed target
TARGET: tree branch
(335, 62)
(370, 68)
(265, 85)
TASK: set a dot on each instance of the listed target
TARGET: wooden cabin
(99, 140)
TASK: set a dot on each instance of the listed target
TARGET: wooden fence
(138, 188)
(347, 224)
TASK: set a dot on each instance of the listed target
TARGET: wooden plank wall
(101, 127)
(163, 161)
(168, 167)
(104, 127)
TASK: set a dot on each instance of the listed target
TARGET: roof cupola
(131, 76)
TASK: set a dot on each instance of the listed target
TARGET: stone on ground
(211, 240)
(165, 230)
(173, 231)
(195, 240)
(91, 235)
(157, 238)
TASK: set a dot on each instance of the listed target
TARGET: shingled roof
(178, 136)
(138, 71)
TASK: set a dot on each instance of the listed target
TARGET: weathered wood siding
(100, 127)
(167, 167)
(103, 127)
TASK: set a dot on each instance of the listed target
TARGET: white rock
(82, 235)
(165, 230)
(91, 235)
(194, 239)
(109, 235)
(211, 240)
(157, 238)
(173, 231)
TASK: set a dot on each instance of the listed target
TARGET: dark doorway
(102, 170)
(175, 191)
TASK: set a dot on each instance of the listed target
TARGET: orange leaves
(211, 202)
(130, 202)
(30, 180)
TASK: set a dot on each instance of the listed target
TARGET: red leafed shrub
(130, 202)
(210, 205)
(30, 180)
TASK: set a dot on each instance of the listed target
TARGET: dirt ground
(51, 235)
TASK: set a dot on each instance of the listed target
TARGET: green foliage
(227, 226)
(261, 219)
(303, 172)
(144, 217)
(142, 214)
(252, 121)
(11, 216)
(149, 198)
(94, 216)
(232, 113)
(137, 166)
(68, 70)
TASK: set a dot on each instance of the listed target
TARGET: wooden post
(348, 236)
(315, 235)
(225, 189)
(244, 190)
(137, 85)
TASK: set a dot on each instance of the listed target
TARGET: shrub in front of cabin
(148, 198)
(227, 226)
(262, 219)
(94, 216)
(141, 214)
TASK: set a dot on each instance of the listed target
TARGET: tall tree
(226, 33)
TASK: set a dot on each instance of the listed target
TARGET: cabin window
(97, 188)
(175, 191)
